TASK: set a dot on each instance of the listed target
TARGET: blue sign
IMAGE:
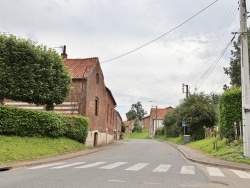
(183, 123)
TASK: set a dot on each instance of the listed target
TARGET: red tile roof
(80, 68)
(161, 112)
(128, 123)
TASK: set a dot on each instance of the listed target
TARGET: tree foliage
(137, 126)
(136, 111)
(234, 69)
(32, 73)
(197, 110)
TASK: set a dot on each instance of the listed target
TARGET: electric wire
(220, 32)
(162, 34)
(217, 39)
(211, 68)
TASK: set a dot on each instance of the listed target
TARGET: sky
(147, 48)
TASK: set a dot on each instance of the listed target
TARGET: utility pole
(183, 90)
(245, 79)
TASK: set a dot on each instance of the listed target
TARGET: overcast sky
(189, 52)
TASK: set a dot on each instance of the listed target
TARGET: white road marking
(212, 171)
(90, 165)
(43, 166)
(114, 165)
(241, 174)
(162, 168)
(151, 183)
(137, 167)
(67, 165)
(119, 181)
(187, 170)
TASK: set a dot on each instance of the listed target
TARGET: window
(108, 113)
(97, 78)
(96, 106)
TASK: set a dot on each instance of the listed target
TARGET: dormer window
(97, 78)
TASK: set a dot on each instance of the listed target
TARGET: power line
(220, 33)
(163, 34)
(211, 68)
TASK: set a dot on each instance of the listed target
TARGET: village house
(88, 97)
(156, 119)
(94, 100)
(129, 125)
(145, 122)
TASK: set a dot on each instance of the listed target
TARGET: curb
(209, 163)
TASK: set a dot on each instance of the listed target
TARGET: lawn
(14, 148)
(140, 135)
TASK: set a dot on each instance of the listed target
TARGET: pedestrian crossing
(161, 168)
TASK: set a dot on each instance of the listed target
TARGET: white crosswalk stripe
(137, 167)
(213, 171)
(187, 170)
(67, 165)
(241, 174)
(91, 165)
(162, 168)
(43, 166)
(114, 165)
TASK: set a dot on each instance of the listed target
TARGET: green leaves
(24, 122)
(230, 109)
(32, 73)
(197, 110)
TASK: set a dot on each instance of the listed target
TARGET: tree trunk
(49, 107)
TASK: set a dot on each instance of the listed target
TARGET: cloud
(109, 28)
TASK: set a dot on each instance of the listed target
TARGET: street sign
(183, 123)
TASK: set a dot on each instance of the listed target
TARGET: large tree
(198, 110)
(32, 73)
(234, 69)
(136, 111)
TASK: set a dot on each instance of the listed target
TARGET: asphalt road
(136, 163)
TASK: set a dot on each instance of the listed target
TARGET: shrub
(159, 131)
(24, 122)
(76, 127)
(230, 109)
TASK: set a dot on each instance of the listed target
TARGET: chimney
(63, 54)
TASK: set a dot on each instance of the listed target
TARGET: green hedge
(230, 109)
(24, 122)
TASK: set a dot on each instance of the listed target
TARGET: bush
(159, 131)
(24, 122)
(76, 127)
(230, 109)
(137, 128)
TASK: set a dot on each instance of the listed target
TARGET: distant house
(157, 118)
(129, 126)
(145, 122)
(117, 129)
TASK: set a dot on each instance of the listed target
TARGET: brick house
(88, 97)
(157, 118)
(94, 99)
(117, 125)
(145, 122)
(129, 126)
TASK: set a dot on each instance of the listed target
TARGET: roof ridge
(82, 58)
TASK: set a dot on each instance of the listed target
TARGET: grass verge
(234, 152)
(14, 148)
(140, 135)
